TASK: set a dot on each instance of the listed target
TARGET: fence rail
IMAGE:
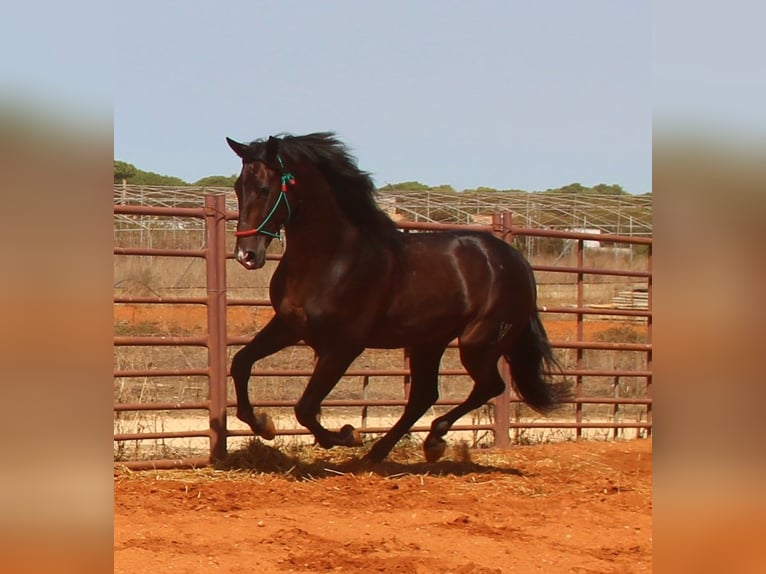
(216, 341)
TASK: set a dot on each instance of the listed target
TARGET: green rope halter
(287, 179)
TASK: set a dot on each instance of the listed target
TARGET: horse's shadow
(304, 465)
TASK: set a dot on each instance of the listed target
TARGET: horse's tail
(530, 356)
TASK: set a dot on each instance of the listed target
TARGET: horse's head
(264, 206)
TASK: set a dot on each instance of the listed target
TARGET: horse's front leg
(276, 335)
(330, 367)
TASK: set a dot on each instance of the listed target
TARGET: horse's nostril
(246, 256)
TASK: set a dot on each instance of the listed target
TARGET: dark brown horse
(349, 279)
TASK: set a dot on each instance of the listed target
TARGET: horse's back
(446, 282)
(474, 262)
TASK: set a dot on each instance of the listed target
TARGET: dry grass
(300, 462)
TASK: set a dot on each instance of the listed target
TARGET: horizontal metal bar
(203, 372)
(478, 427)
(134, 373)
(301, 431)
(360, 403)
(122, 209)
(155, 252)
(443, 372)
(535, 232)
(364, 430)
(599, 346)
(424, 226)
(248, 302)
(269, 256)
(167, 341)
(440, 403)
(601, 373)
(163, 464)
(610, 401)
(595, 311)
(161, 300)
(198, 406)
(159, 435)
(126, 341)
(542, 309)
(350, 373)
(289, 403)
(377, 430)
(562, 425)
(593, 345)
(592, 271)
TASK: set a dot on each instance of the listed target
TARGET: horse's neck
(318, 242)
(319, 231)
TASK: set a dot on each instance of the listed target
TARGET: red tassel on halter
(287, 178)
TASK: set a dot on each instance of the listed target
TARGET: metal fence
(506, 418)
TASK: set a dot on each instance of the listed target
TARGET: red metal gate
(216, 341)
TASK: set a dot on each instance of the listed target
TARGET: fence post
(616, 407)
(215, 261)
(649, 391)
(580, 336)
(365, 395)
(501, 228)
(407, 380)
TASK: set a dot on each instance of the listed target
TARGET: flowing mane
(352, 187)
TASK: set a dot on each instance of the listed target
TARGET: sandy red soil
(575, 507)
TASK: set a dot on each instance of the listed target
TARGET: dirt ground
(575, 507)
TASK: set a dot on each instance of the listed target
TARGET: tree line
(128, 173)
(125, 172)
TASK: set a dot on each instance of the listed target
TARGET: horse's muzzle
(251, 259)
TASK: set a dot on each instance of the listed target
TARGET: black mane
(352, 187)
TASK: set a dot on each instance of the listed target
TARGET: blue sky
(528, 95)
(506, 94)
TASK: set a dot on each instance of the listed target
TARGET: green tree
(217, 181)
(604, 189)
(123, 171)
(127, 172)
(150, 178)
(406, 186)
(572, 188)
(480, 189)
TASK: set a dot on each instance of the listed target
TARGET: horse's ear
(272, 150)
(239, 149)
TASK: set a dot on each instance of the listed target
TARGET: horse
(349, 279)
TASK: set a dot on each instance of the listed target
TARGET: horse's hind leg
(481, 364)
(330, 367)
(424, 391)
(272, 338)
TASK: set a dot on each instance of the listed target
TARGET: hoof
(370, 459)
(435, 450)
(376, 454)
(351, 436)
(264, 426)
